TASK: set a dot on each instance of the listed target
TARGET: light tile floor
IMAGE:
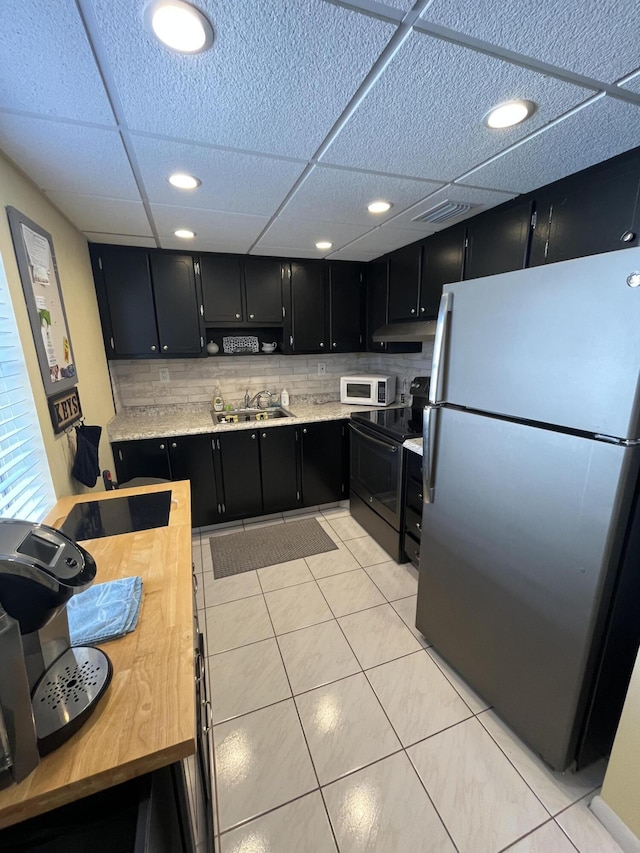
(337, 728)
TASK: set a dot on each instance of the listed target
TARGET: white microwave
(368, 390)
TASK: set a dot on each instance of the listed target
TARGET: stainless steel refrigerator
(529, 579)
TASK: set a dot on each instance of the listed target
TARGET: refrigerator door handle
(428, 444)
(439, 349)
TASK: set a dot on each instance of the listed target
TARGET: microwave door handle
(440, 349)
(429, 424)
(390, 447)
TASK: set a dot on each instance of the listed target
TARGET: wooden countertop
(146, 719)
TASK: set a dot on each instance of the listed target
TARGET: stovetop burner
(95, 519)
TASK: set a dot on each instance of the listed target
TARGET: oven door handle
(392, 448)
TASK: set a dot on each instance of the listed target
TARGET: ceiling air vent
(444, 211)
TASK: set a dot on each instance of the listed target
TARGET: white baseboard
(616, 828)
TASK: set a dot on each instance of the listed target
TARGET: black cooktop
(95, 519)
(395, 423)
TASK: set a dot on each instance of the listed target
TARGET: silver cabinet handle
(165, 348)
(153, 349)
(199, 665)
(253, 435)
(173, 444)
(418, 525)
(237, 316)
(264, 435)
(195, 582)
(321, 346)
(413, 310)
(422, 310)
(162, 447)
(251, 316)
(439, 349)
(334, 344)
(304, 431)
(209, 724)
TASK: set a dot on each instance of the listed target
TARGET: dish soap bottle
(218, 402)
(284, 398)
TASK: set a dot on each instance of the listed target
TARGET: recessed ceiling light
(324, 244)
(183, 181)
(379, 206)
(179, 25)
(184, 234)
(509, 114)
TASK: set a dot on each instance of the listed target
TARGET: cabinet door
(404, 282)
(279, 469)
(147, 457)
(221, 288)
(322, 462)
(588, 213)
(125, 292)
(177, 305)
(241, 494)
(345, 300)
(442, 263)
(377, 296)
(498, 240)
(191, 458)
(263, 287)
(309, 307)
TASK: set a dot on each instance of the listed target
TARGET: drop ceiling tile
(229, 178)
(484, 199)
(597, 132)
(287, 252)
(424, 115)
(349, 254)
(276, 79)
(339, 195)
(104, 215)
(599, 39)
(303, 234)
(211, 226)
(633, 83)
(68, 157)
(385, 239)
(120, 239)
(46, 64)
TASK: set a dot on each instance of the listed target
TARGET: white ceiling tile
(195, 246)
(68, 157)
(229, 178)
(349, 254)
(105, 215)
(120, 239)
(384, 239)
(597, 132)
(424, 115)
(287, 252)
(456, 193)
(210, 226)
(339, 195)
(38, 70)
(276, 79)
(303, 234)
(633, 84)
(598, 39)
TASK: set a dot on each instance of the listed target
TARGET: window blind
(26, 488)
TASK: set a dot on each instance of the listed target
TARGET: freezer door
(515, 561)
(557, 344)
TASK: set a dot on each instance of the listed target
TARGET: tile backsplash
(137, 382)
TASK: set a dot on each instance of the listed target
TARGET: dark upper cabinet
(239, 460)
(278, 467)
(241, 291)
(323, 462)
(221, 277)
(309, 307)
(177, 304)
(594, 211)
(404, 283)
(149, 302)
(377, 301)
(263, 288)
(346, 292)
(442, 263)
(498, 240)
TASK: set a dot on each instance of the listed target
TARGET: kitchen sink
(250, 415)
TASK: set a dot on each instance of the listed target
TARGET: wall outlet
(322, 368)
(164, 374)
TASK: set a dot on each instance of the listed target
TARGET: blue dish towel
(105, 611)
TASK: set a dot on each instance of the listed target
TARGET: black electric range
(95, 519)
(399, 424)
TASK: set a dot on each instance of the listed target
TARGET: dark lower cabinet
(279, 469)
(324, 455)
(498, 240)
(147, 457)
(412, 507)
(239, 486)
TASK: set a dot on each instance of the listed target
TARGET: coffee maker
(47, 688)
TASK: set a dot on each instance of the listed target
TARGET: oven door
(376, 471)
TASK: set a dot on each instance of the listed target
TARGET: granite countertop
(414, 444)
(193, 419)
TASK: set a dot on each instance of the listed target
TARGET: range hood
(411, 332)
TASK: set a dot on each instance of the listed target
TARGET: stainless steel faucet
(256, 397)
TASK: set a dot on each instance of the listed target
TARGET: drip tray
(95, 519)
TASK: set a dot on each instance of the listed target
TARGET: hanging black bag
(85, 467)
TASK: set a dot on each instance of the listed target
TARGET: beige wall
(82, 314)
(621, 789)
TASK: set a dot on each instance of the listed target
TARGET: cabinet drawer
(414, 466)
(412, 550)
(414, 496)
(413, 523)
